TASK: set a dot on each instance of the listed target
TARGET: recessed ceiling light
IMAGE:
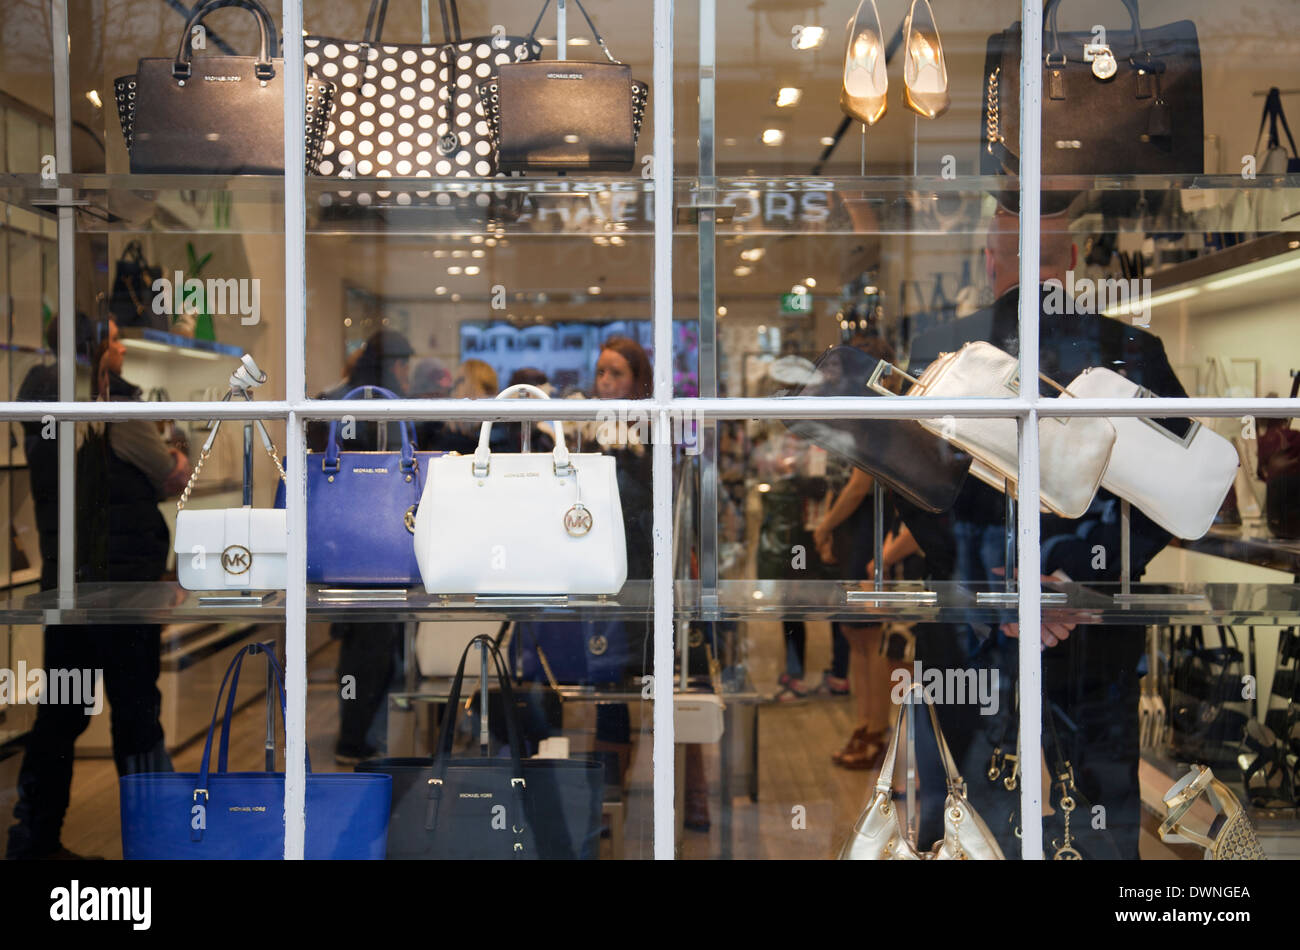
(458, 253)
(722, 311)
(491, 242)
(788, 96)
(440, 290)
(593, 290)
(753, 254)
(476, 239)
(472, 270)
(772, 137)
(617, 241)
(811, 282)
(728, 141)
(477, 253)
(347, 321)
(454, 270)
(743, 270)
(798, 289)
(809, 37)
(93, 96)
(870, 289)
(827, 140)
(455, 298)
(439, 253)
(571, 139)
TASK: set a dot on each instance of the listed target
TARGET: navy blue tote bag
(225, 815)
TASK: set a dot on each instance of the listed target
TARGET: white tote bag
(1072, 452)
(521, 523)
(1180, 482)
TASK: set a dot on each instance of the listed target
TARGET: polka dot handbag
(411, 110)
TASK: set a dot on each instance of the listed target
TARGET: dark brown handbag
(920, 466)
(216, 115)
(565, 115)
(1130, 106)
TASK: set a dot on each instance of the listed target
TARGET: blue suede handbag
(361, 510)
(225, 815)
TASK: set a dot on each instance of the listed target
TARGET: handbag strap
(266, 32)
(600, 40)
(331, 461)
(1271, 115)
(379, 12)
(885, 781)
(231, 679)
(483, 454)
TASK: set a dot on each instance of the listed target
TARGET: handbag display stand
(242, 381)
(878, 596)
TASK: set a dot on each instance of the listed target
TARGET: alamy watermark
(953, 686)
(1110, 296)
(649, 426)
(55, 687)
(242, 296)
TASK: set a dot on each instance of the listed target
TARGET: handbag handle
(232, 680)
(600, 40)
(1049, 11)
(450, 26)
(1273, 110)
(885, 781)
(483, 455)
(266, 29)
(331, 461)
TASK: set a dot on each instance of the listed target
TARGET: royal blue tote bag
(226, 815)
(361, 510)
(579, 652)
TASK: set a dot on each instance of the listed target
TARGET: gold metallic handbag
(879, 833)
(1229, 837)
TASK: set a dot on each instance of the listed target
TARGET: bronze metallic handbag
(879, 833)
(565, 115)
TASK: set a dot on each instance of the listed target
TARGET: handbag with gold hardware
(1229, 836)
(879, 833)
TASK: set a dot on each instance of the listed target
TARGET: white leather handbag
(439, 644)
(1180, 482)
(1073, 452)
(521, 523)
(232, 549)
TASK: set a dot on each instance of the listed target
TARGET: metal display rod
(879, 595)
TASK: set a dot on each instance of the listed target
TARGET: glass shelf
(593, 206)
(164, 602)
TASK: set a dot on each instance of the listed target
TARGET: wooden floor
(805, 810)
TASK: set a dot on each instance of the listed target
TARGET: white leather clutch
(1073, 453)
(1180, 482)
(521, 523)
(232, 549)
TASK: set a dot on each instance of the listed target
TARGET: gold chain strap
(994, 135)
(194, 477)
(203, 457)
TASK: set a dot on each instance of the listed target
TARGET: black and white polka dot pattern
(410, 111)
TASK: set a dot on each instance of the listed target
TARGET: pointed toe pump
(925, 74)
(862, 95)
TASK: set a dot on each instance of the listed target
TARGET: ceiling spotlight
(722, 311)
(347, 321)
(593, 290)
(95, 101)
(454, 270)
(772, 137)
(439, 253)
(472, 270)
(870, 289)
(478, 253)
(827, 140)
(743, 270)
(440, 290)
(476, 239)
(455, 298)
(458, 253)
(753, 254)
(617, 240)
(788, 96)
(491, 242)
(809, 281)
(809, 37)
(798, 289)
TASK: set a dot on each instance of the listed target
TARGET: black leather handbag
(131, 301)
(917, 464)
(504, 808)
(565, 115)
(1131, 106)
(216, 115)
(407, 109)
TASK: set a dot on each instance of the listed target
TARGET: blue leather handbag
(361, 510)
(579, 652)
(226, 815)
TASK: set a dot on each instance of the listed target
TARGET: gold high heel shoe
(862, 94)
(1230, 835)
(925, 74)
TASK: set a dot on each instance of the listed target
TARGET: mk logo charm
(236, 559)
(577, 520)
